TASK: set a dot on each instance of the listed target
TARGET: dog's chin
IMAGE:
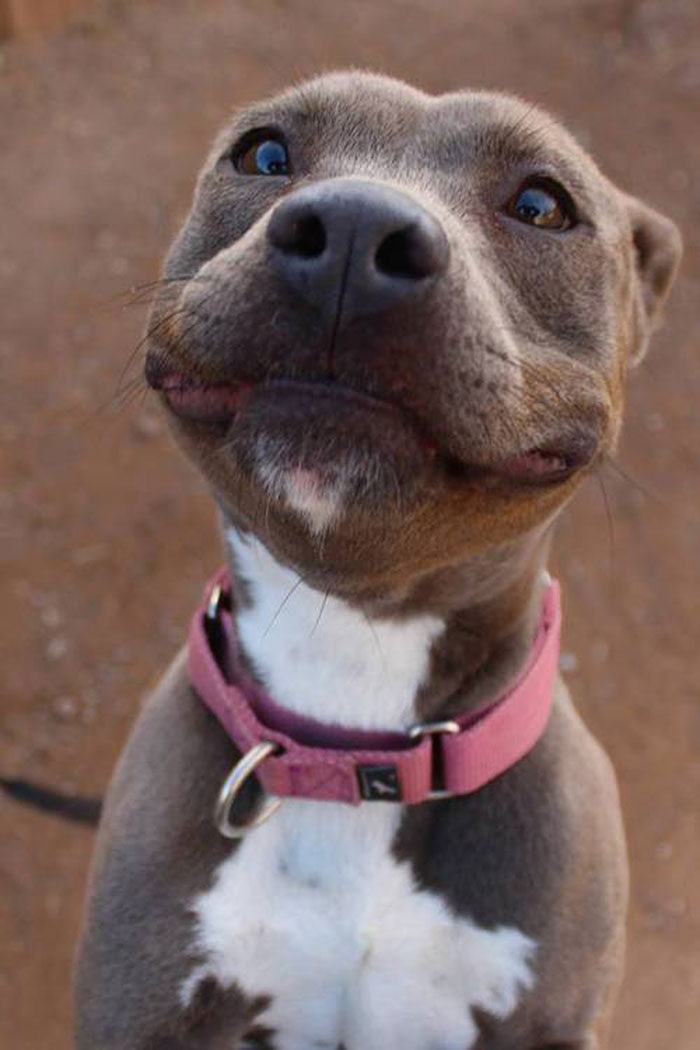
(319, 452)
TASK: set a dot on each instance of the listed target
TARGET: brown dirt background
(107, 536)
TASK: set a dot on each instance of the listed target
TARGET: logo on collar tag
(379, 783)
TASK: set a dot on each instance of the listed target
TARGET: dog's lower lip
(535, 465)
(200, 401)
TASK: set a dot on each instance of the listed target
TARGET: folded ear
(658, 249)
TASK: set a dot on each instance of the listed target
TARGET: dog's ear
(657, 247)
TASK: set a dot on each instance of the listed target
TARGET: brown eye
(262, 154)
(543, 204)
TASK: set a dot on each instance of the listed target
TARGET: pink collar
(308, 759)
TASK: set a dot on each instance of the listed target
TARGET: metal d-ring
(233, 784)
(423, 729)
(214, 602)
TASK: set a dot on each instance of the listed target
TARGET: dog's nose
(352, 247)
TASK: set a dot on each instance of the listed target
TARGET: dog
(392, 335)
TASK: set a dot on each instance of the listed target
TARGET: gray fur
(524, 340)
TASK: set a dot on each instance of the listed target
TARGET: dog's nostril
(408, 253)
(310, 237)
(304, 236)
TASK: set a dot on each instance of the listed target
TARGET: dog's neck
(451, 643)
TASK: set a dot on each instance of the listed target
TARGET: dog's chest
(313, 909)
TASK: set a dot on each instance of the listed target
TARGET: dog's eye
(262, 153)
(543, 203)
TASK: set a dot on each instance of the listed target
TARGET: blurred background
(106, 109)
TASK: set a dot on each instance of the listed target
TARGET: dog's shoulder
(171, 766)
(157, 848)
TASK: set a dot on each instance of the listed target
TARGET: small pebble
(65, 708)
(57, 648)
(51, 616)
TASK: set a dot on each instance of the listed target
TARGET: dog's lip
(201, 401)
(341, 392)
(540, 466)
(192, 398)
(216, 403)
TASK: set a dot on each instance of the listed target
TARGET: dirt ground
(107, 537)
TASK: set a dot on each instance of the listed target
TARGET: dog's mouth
(217, 405)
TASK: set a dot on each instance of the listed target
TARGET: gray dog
(393, 336)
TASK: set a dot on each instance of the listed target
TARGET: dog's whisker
(377, 642)
(282, 605)
(612, 538)
(320, 613)
(615, 465)
(143, 293)
(122, 397)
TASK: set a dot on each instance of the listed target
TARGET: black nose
(351, 247)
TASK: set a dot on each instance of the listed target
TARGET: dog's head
(394, 329)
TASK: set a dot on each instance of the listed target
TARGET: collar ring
(231, 787)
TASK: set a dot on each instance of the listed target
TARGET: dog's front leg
(157, 850)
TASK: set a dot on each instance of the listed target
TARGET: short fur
(384, 571)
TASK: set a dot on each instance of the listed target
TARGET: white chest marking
(313, 909)
(322, 658)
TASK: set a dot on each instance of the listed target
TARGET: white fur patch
(322, 658)
(318, 503)
(318, 497)
(313, 909)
